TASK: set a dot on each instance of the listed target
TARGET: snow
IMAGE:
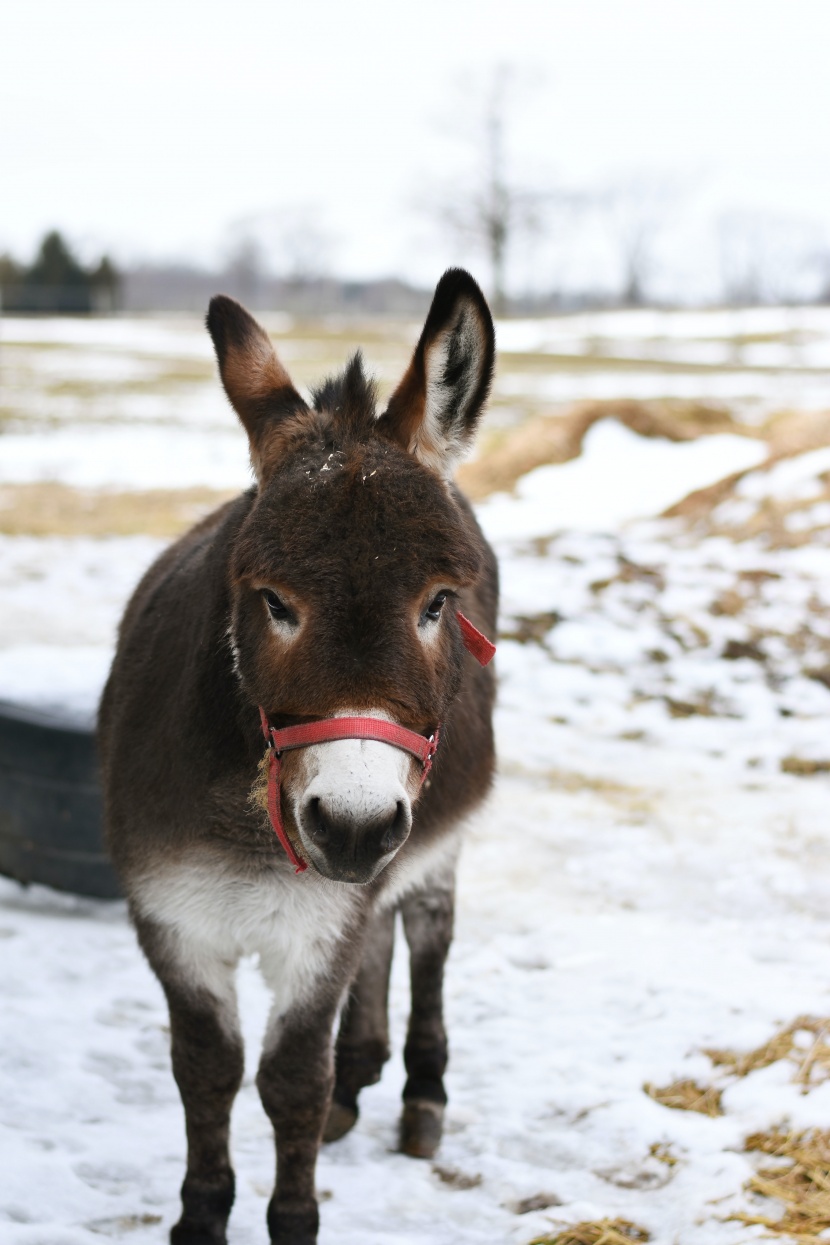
(792, 479)
(647, 324)
(127, 457)
(645, 881)
(618, 476)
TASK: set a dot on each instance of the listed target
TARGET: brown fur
(356, 535)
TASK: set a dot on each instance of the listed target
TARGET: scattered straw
(687, 1096)
(801, 1180)
(598, 1232)
(661, 1150)
(811, 1057)
(803, 767)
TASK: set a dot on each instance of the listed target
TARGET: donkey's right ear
(258, 387)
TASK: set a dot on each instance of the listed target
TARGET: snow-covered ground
(650, 877)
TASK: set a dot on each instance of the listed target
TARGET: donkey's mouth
(354, 876)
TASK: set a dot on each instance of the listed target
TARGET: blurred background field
(118, 425)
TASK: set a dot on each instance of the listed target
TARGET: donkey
(273, 778)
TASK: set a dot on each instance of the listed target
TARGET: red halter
(308, 733)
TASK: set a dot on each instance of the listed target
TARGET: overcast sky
(153, 127)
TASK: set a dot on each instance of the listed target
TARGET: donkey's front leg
(207, 1056)
(428, 924)
(363, 1041)
(295, 1081)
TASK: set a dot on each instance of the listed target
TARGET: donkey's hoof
(422, 1123)
(295, 1225)
(189, 1232)
(341, 1121)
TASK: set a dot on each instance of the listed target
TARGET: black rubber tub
(50, 803)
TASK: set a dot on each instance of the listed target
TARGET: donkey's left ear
(434, 410)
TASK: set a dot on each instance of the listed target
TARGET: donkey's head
(345, 570)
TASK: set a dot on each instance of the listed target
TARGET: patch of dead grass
(782, 522)
(803, 767)
(687, 1095)
(546, 439)
(597, 1232)
(662, 1152)
(52, 509)
(811, 1058)
(800, 1180)
(531, 628)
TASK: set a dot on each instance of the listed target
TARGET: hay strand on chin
(258, 795)
(597, 1232)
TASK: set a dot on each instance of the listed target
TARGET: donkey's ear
(257, 384)
(434, 410)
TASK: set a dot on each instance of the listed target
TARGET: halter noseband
(327, 729)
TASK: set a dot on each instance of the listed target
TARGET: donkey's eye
(278, 611)
(433, 610)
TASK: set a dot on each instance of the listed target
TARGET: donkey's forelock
(348, 402)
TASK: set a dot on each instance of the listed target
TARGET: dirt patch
(456, 1179)
(537, 1201)
(51, 509)
(597, 1232)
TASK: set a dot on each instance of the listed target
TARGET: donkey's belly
(212, 915)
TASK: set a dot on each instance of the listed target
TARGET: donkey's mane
(349, 399)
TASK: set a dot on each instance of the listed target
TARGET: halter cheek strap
(327, 729)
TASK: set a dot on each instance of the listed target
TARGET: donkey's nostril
(399, 829)
(314, 819)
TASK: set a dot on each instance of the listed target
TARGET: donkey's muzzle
(353, 848)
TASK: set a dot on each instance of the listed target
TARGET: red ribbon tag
(474, 642)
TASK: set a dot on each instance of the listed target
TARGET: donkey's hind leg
(428, 923)
(206, 1049)
(363, 1040)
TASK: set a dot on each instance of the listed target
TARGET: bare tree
(637, 209)
(489, 209)
(767, 257)
(245, 268)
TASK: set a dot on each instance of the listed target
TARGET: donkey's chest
(214, 916)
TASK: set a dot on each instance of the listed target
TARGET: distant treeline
(184, 287)
(57, 282)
